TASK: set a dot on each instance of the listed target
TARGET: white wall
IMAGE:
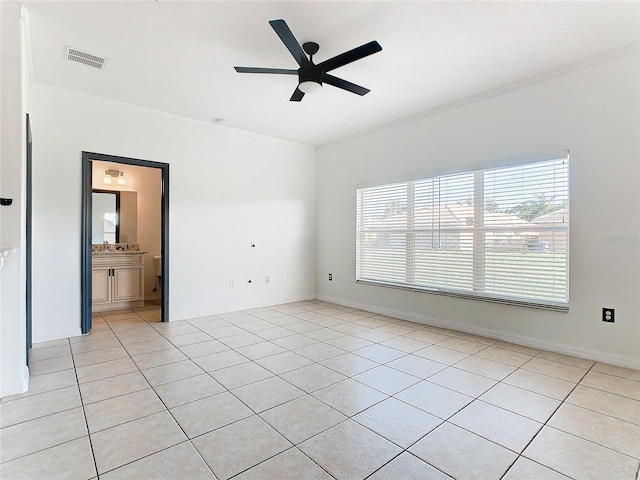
(594, 113)
(227, 188)
(14, 102)
(147, 183)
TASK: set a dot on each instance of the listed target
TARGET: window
(499, 234)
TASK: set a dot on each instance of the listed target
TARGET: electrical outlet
(249, 281)
(331, 277)
(267, 279)
(608, 315)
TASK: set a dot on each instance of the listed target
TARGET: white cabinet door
(100, 286)
(127, 284)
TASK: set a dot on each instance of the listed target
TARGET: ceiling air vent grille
(89, 59)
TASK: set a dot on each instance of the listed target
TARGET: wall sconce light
(113, 176)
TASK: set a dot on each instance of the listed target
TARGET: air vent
(89, 59)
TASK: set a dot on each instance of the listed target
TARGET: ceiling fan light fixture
(309, 86)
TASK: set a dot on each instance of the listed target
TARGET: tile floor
(312, 390)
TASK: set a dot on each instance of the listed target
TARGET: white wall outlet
(267, 279)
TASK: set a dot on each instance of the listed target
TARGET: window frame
(478, 260)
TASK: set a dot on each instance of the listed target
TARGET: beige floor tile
(156, 359)
(348, 327)
(408, 467)
(611, 404)
(239, 375)
(174, 331)
(216, 361)
(349, 343)
(112, 387)
(93, 337)
(375, 335)
(203, 348)
(312, 377)
(239, 446)
(567, 359)
(387, 380)
(325, 334)
(42, 433)
(509, 357)
(49, 352)
(90, 345)
(99, 371)
(50, 343)
(99, 356)
(265, 394)
(46, 383)
(36, 406)
(427, 336)
(349, 397)
(463, 381)
(441, 354)
(523, 402)
(259, 325)
(349, 364)
(461, 345)
(131, 441)
(244, 339)
(125, 408)
(51, 365)
(462, 454)
(283, 362)
(69, 461)
(627, 373)
(171, 372)
(149, 346)
(525, 469)
(610, 432)
(210, 413)
(260, 350)
(434, 399)
(579, 458)
(477, 339)
(130, 336)
(505, 428)
(514, 347)
(379, 353)
(401, 329)
(288, 465)
(189, 339)
(179, 461)
(296, 340)
(538, 383)
(188, 390)
(223, 332)
(417, 366)
(268, 315)
(405, 344)
(319, 351)
(562, 371)
(612, 384)
(485, 367)
(302, 418)
(349, 451)
(397, 421)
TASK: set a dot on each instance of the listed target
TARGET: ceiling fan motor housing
(309, 73)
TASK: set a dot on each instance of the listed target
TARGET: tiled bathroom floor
(312, 390)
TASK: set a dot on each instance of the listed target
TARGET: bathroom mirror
(114, 217)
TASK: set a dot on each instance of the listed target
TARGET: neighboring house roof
(559, 216)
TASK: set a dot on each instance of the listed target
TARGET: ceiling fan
(312, 76)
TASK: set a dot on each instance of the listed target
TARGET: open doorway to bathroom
(125, 237)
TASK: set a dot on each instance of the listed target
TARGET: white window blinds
(500, 234)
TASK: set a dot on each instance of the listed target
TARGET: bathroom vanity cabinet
(117, 280)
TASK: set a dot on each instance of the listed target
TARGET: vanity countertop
(119, 252)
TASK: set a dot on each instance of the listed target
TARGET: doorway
(88, 158)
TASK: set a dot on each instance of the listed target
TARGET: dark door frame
(85, 263)
(29, 237)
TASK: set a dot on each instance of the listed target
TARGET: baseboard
(598, 356)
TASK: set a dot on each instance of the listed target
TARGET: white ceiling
(179, 56)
